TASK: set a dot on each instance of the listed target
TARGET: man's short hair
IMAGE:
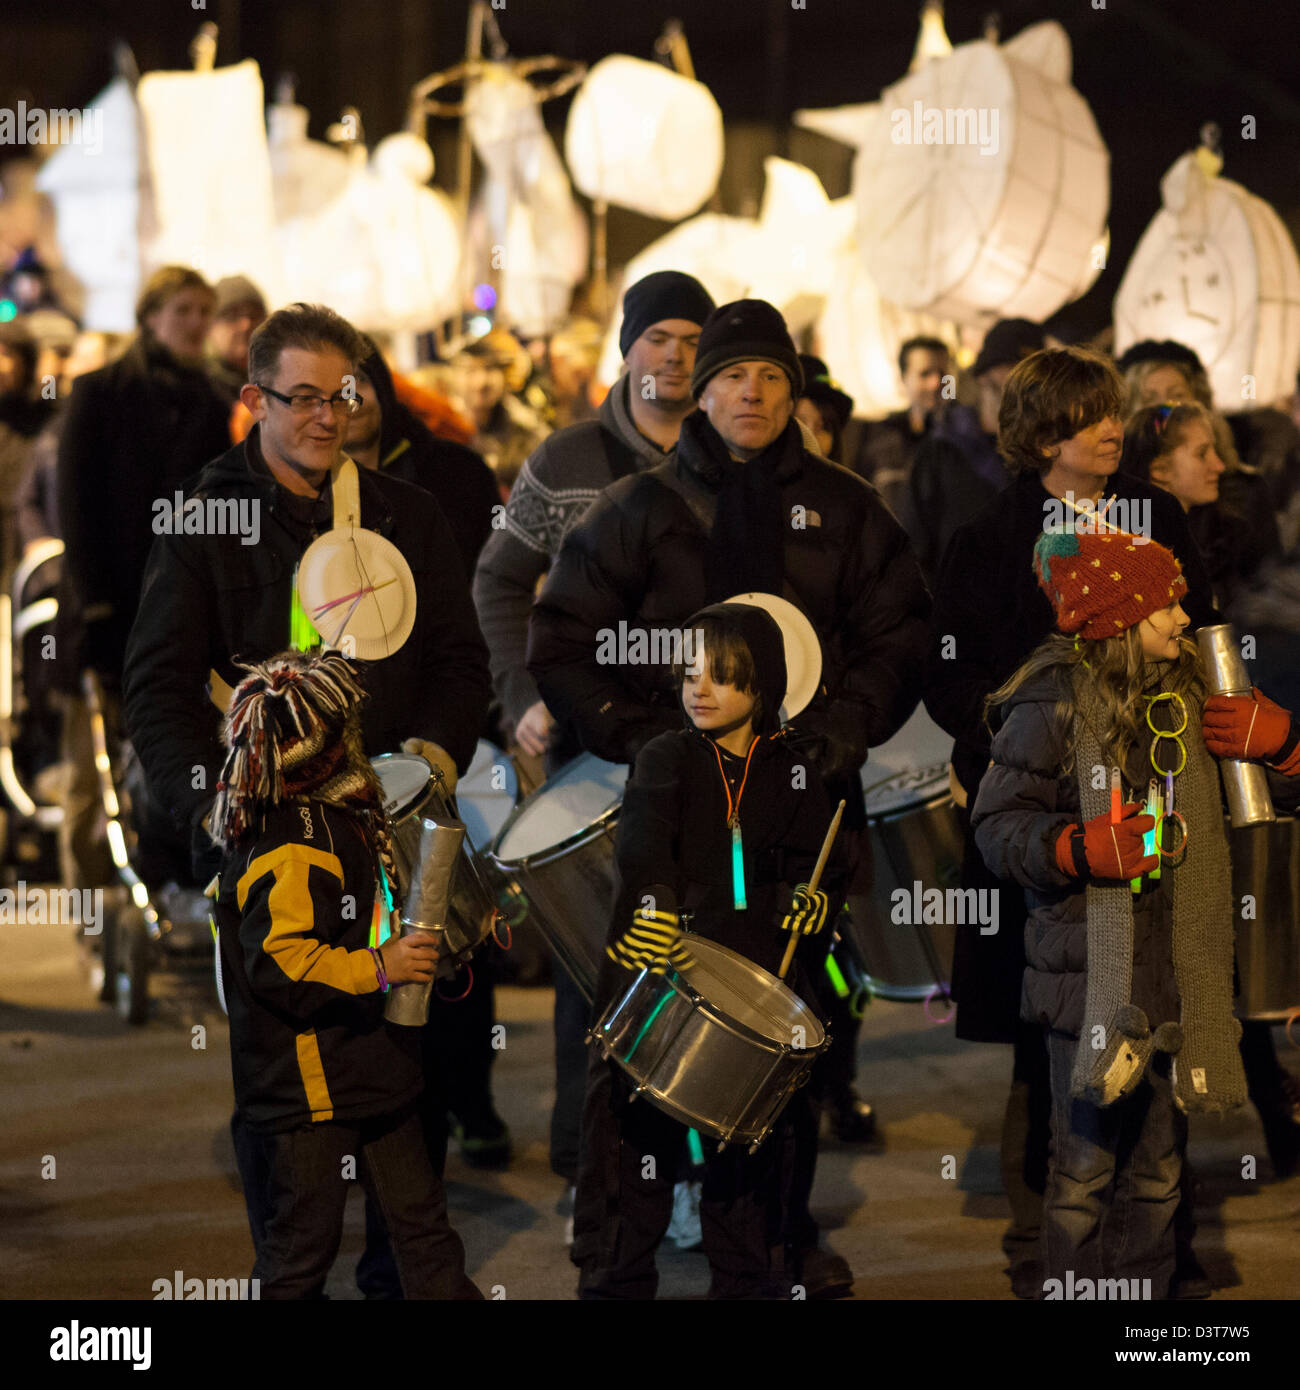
(1049, 398)
(921, 345)
(309, 327)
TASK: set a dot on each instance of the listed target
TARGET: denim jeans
(1113, 1178)
(307, 1190)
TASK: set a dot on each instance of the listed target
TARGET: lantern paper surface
(96, 197)
(983, 183)
(530, 204)
(643, 137)
(1217, 270)
(210, 174)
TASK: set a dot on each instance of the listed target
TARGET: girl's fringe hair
(1113, 670)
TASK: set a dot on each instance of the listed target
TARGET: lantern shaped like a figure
(643, 137)
(210, 172)
(1217, 270)
(95, 189)
(983, 183)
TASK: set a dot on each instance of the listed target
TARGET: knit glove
(807, 913)
(1237, 726)
(653, 942)
(1120, 1066)
(436, 756)
(1102, 850)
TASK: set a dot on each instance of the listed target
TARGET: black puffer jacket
(209, 598)
(1024, 803)
(134, 432)
(639, 557)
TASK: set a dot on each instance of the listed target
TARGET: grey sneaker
(684, 1229)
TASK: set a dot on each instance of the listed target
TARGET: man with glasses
(212, 598)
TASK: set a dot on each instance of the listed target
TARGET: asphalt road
(116, 1168)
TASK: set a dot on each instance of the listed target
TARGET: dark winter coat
(1025, 802)
(989, 615)
(308, 1038)
(458, 477)
(640, 556)
(135, 430)
(209, 598)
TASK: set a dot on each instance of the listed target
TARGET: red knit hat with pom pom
(1102, 585)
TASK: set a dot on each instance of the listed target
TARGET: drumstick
(813, 882)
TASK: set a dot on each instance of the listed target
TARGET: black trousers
(306, 1189)
(631, 1155)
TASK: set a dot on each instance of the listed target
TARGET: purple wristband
(379, 969)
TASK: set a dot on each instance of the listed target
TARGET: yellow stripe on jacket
(289, 941)
(312, 1070)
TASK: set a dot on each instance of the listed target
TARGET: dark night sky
(1152, 71)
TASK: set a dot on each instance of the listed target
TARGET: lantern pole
(203, 51)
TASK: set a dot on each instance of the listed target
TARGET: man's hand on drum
(410, 959)
(436, 756)
(653, 942)
(533, 732)
(807, 912)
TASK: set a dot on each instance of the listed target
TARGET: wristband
(379, 969)
(1287, 751)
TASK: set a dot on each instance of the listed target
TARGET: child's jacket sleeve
(292, 904)
(649, 826)
(1020, 811)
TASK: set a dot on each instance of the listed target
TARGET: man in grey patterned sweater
(636, 427)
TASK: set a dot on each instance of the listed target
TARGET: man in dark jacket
(740, 507)
(1060, 430)
(637, 425)
(386, 436)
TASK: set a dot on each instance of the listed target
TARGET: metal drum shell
(1266, 865)
(700, 1062)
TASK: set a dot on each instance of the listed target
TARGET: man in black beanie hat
(636, 427)
(741, 506)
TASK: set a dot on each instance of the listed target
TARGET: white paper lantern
(96, 197)
(210, 173)
(983, 183)
(643, 137)
(1218, 271)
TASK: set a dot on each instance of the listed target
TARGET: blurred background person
(824, 407)
(888, 446)
(506, 430)
(236, 314)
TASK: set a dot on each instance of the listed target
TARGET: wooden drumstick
(812, 883)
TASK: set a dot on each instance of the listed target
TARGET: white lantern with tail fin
(643, 137)
(1217, 270)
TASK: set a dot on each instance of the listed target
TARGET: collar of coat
(376, 514)
(702, 452)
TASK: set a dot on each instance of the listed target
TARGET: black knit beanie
(746, 330)
(667, 294)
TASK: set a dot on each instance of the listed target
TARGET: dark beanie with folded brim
(746, 330)
(666, 294)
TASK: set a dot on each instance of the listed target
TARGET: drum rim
(593, 830)
(415, 804)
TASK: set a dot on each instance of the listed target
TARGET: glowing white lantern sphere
(643, 137)
(983, 183)
(1217, 270)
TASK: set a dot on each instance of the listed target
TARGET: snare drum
(409, 789)
(556, 853)
(720, 1046)
(916, 838)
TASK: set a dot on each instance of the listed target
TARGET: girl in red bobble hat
(1103, 801)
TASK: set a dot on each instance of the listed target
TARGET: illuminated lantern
(210, 172)
(534, 220)
(1217, 270)
(983, 183)
(96, 195)
(643, 137)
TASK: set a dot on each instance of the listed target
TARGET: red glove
(1234, 726)
(1100, 849)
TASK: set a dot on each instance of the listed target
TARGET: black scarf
(747, 544)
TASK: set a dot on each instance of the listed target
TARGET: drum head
(486, 794)
(562, 808)
(404, 778)
(747, 994)
(908, 770)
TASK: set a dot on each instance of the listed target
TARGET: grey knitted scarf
(1116, 1042)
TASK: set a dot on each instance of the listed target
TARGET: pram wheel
(129, 951)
